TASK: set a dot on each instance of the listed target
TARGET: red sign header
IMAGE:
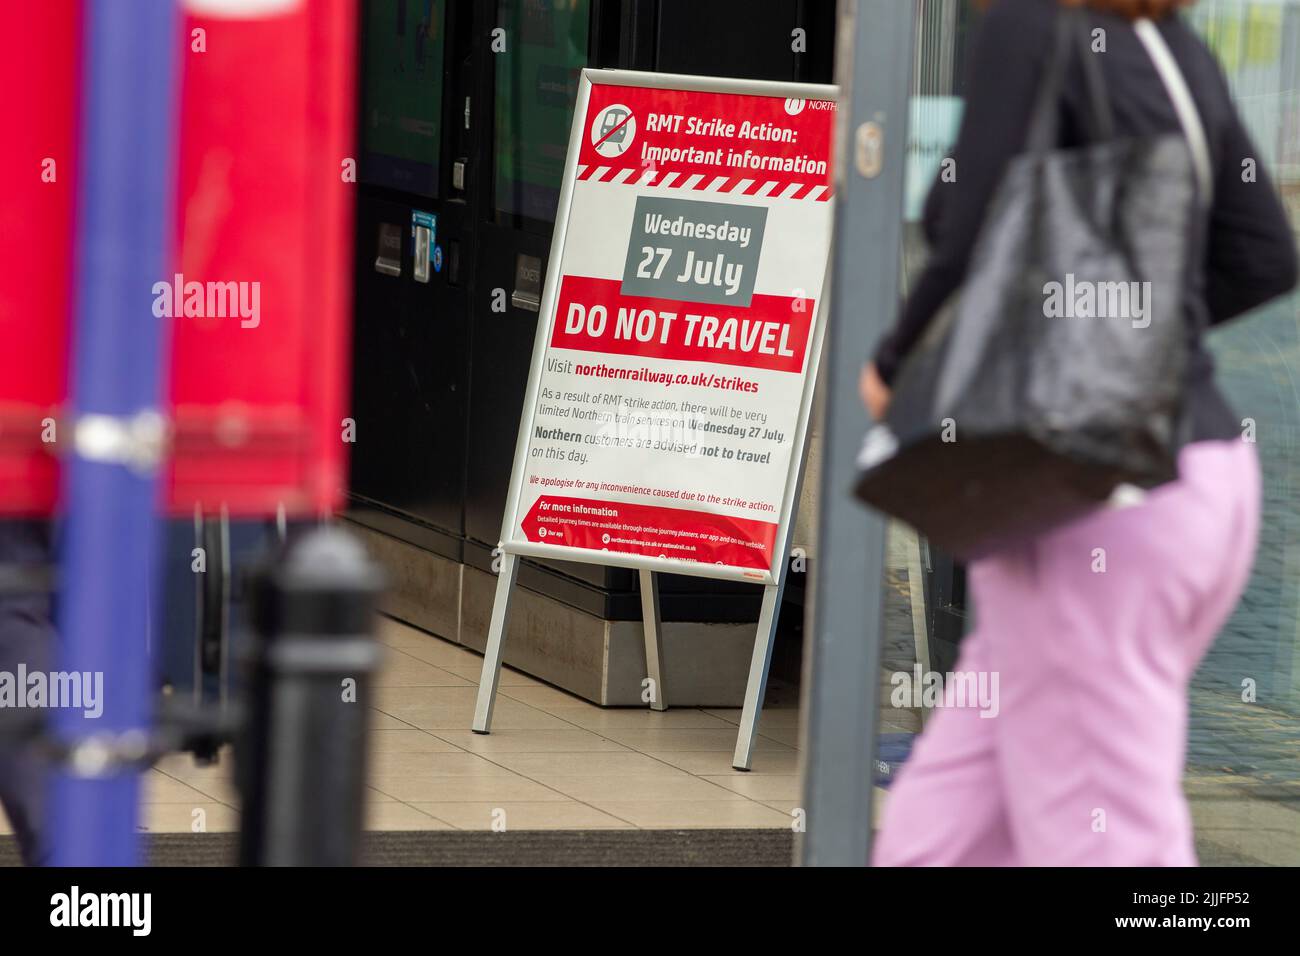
(722, 142)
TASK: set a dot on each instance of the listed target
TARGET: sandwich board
(666, 413)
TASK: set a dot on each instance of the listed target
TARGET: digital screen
(402, 107)
(536, 87)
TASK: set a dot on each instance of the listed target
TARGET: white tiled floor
(552, 761)
(556, 761)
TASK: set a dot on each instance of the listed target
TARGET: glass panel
(924, 596)
(402, 106)
(936, 105)
(536, 86)
(934, 588)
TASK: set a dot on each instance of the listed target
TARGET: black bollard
(302, 760)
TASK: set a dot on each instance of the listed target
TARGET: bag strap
(1071, 42)
(1184, 105)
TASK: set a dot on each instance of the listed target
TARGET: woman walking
(1095, 627)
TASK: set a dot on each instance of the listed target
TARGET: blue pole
(125, 167)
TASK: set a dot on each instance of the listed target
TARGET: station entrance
(464, 110)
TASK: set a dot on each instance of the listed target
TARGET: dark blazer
(1250, 254)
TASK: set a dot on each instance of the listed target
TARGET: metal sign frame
(773, 578)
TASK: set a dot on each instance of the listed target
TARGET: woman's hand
(875, 393)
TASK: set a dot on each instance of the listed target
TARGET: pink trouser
(1093, 632)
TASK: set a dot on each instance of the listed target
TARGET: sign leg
(654, 642)
(491, 676)
(758, 667)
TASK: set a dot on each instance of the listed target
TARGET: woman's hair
(1125, 8)
(1132, 8)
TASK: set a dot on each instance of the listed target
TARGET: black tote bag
(1055, 373)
